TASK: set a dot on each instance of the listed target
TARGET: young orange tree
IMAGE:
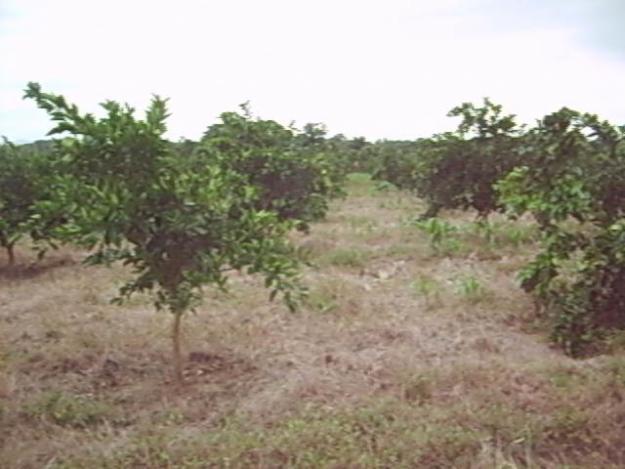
(25, 175)
(178, 222)
(457, 170)
(295, 173)
(573, 183)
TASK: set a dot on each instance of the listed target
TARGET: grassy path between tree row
(405, 355)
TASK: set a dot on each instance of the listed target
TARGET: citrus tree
(178, 222)
(457, 170)
(24, 180)
(573, 183)
(294, 172)
(396, 162)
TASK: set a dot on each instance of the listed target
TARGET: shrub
(457, 170)
(573, 187)
(294, 172)
(25, 177)
(179, 223)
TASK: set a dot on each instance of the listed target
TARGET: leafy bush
(24, 181)
(179, 223)
(574, 188)
(441, 235)
(470, 288)
(457, 170)
(397, 163)
(68, 410)
(295, 173)
(428, 288)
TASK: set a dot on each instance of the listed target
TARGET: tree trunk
(11, 253)
(176, 344)
(431, 212)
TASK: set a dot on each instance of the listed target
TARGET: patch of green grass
(567, 423)
(411, 430)
(361, 224)
(470, 288)
(68, 410)
(501, 234)
(394, 200)
(615, 341)
(357, 221)
(333, 295)
(322, 300)
(567, 379)
(363, 228)
(168, 417)
(428, 288)
(418, 388)
(442, 236)
(401, 250)
(346, 257)
(385, 186)
(359, 178)
(518, 235)
(616, 368)
(359, 184)
(388, 434)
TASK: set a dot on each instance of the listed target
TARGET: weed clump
(68, 410)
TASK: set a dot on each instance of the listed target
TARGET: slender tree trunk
(11, 253)
(431, 212)
(176, 344)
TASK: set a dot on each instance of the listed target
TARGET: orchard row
(568, 171)
(183, 214)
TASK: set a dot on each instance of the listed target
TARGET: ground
(411, 351)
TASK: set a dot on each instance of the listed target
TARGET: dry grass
(378, 369)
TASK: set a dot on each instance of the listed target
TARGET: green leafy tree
(294, 172)
(397, 162)
(463, 167)
(573, 185)
(355, 154)
(24, 180)
(457, 170)
(178, 222)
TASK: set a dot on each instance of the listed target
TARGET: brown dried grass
(458, 382)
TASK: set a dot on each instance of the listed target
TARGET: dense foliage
(25, 176)
(396, 162)
(178, 222)
(567, 172)
(575, 187)
(295, 173)
(457, 170)
(182, 214)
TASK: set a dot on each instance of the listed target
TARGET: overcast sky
(376, 68)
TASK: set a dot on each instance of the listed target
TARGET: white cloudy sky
(377, 68)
